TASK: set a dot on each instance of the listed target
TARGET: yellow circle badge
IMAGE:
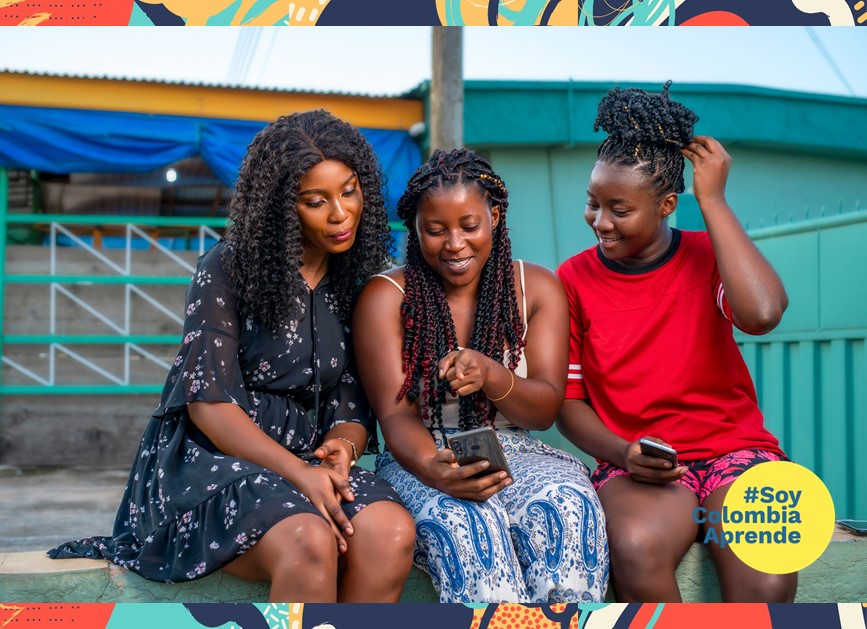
(777, 517)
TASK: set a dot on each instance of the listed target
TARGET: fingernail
(485, 464)
(508, 482)
(350, 530)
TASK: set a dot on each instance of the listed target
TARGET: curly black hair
(647, 129)
(263, 256)
(428, 329)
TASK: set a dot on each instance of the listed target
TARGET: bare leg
(650, 528)
(299, 556)
(740, 583)
(375, 567)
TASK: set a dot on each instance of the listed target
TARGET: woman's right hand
(650, 469)
(443, 472)
(325, 488)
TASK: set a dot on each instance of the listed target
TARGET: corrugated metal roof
(228, 86)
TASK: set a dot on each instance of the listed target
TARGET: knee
(638, 548)
(761, 587)
(390, 533)
(311, 543)
(401, 532)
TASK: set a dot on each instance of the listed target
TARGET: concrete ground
(43, 507)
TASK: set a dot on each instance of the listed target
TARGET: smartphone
(859, 527)
(479, 444)
(651, 448)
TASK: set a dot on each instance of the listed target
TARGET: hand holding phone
(477, 445)
(651, 448)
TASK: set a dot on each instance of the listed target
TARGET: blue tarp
(86, 141)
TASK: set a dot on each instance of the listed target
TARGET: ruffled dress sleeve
(206, 368)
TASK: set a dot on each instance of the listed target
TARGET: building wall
(769, 187)
(766, 187)
(811, 372)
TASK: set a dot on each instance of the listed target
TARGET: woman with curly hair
(462, 337)
(652, 353)
(248, 462)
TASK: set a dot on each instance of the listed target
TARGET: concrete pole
(447, 88)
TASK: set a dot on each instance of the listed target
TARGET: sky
(391, 60)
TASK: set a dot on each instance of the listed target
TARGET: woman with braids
(463, 337)
(652, 353)
(248, 462)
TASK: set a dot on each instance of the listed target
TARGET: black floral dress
(188, 509)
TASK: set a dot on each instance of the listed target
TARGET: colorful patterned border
(433, 12)
(434, 616)
(425, 13)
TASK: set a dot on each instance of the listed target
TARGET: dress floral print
(188, 509)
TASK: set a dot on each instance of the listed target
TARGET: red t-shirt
(652, 351)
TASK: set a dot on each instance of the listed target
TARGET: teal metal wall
(547, 193)
(770, 187)
(810, 373)
(798, 183)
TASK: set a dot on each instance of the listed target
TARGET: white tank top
(451, 408)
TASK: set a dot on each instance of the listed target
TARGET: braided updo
(646, 129)
(428, 329)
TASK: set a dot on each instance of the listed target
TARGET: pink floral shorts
(703, 476)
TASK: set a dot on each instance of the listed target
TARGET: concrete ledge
(839, 575)
(34, 577)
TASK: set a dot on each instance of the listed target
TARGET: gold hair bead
(494, 180)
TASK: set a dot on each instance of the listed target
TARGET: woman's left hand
(466, 370)
(335, 454)
(711, 165)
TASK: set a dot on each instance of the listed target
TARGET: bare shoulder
(396, 274)
(383, 291)
(545, 293)
(540, 281)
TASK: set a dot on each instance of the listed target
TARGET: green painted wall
(523, 113)
(770, 187)
(811, 372)
(798, 184)
(547, 192)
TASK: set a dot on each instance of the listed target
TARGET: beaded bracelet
(354, 451)
(511, 386)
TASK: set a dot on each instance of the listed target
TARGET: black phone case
(648, 449)
(477, 445)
